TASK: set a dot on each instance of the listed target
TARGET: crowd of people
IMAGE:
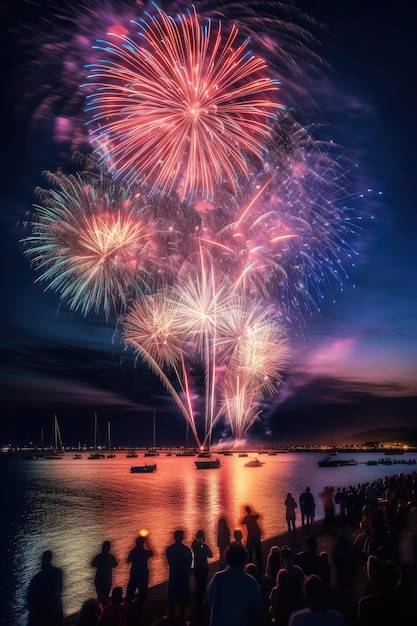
(294, 587)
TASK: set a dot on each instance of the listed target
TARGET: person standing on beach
(253, 539)
(44, 596)
(201, 552)
(329, 508)
(290, 506)
(179, 559)
(138, 557)
(308, 509)
(104, 562)
(223, 539)
(233, 597)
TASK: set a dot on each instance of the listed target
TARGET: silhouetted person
(286, 596)
(345, 563)
(312, 563)
(116, 611)
(138, 557)
(104, 562)
(179, 559)
(273, 565)
(201, 552)
(317, 611)
(233, 598)
(90, 613)
(290, 506)
(329, 508)
(384, 605)
(253, 539)
(44, 596)
(307, 509)
(223, 539)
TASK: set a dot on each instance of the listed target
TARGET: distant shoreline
(359, 449)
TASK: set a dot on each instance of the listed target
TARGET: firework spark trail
(184, 107)
(196, 322)
(152, 328)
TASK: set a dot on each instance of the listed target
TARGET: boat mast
(57, 435)
(95, 430)
(154, 429)
(108, 436)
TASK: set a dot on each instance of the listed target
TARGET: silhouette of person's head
(140, 541)
(106, 546)
(222, 522)
(46, 559)
(252, 570)
(236, 555)
(90, 613)
(316, 594)
(117, 595)
(283, 580)
(178, 536)
(385, 576)
(248, 510)
(287, 556)
(289, 495)
(238, 535)
(308, 489)
(200, 535)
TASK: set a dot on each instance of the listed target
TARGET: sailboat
(57, 448)
(110, 455)
(153, 451)
(96, 455)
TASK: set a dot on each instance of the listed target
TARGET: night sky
(354, 365)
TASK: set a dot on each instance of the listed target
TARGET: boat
(151, 453)
(132, 454)
(207, 464)
(110, 456)
(186, 453)
(96, 456)
(143, 469)
(329, 461)
(242, 454)
(77, 456)
(374, 462)
(227, 453)
(254, 463)
(205, 454)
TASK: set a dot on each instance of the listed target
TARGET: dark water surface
(70, 506)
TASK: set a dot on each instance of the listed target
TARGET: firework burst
(91, 242)
(182, 109)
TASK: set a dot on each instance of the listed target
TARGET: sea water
(71, 506)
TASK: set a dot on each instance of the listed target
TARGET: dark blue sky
(355, 367)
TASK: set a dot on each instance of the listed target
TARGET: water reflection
(71, 506)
